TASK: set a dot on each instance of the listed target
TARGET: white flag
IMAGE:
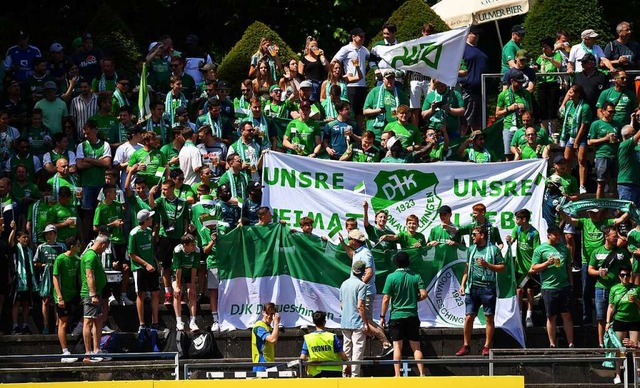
(437, 56)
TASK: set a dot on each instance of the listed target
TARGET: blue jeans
(588, 285)
(602, 304)
(629, 192)
(481, 296)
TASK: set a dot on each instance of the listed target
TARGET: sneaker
(583, 190)
(575, 268)
(571, 346)
(464, 350)
(16, 330)
(106, 329)
(485, 351)
(95, 359)
(168, 299)
(617, 380)
(68, 359)
(113, 301)
(193, 326)
(25, 330)
(126, 301)
(529, 322)
(386, 351)
(180, 326)
(215, 327)
(77, 331)
(103, 356)
(45, 330)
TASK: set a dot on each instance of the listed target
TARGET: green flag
(143, 97)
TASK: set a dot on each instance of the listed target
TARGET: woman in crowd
(576, 118)
(263, 80)
(334, 77)
(290, 82)
(267, 52)
(71, 83)
(313, 66)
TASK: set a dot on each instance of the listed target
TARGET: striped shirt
(82, 110)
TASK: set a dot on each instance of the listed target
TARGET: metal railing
(151, 356)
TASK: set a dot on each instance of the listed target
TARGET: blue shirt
(337, 344)
(476, 62)
(334, 131)
(261, 338)
(351, 291)
(364, 254)
(23, 59)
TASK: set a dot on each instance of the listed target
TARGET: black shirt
(593, 85)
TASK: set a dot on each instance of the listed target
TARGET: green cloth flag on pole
(144, 108)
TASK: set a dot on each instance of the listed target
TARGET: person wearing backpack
(527, 239)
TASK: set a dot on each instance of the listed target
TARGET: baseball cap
(522, 54)
(306, 84)
(209, 66)
(358, 267)
(559, 159)
(181, 110)
(518, 29)
(144, 215)
(153, 46)
(274, 87)
(223, 85)
(357, 31)
(589, 33)
(87, 36)
(254, 185)
(444, 210)
(391, 141)
(56, 48)
(588, 57)
(50, 85)
(64, 191)
(356, 234)
(388, 73)
(515, 74)
(50, 228)
(555, 179)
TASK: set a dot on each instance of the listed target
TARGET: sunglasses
(625, 275)
(475, 234)
(610, 111)
(623, 78)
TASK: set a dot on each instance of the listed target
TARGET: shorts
(417, 90)
(625, 326)
(629, 192)
(472, 110)
(404, 328)
(557, 301)
(146, 281)
(357, 96)
(602, 304)
(213, 279)
(186, 277)
(166, 245)
(91, 311)
(23, 296)
(507, 135)
(67, 311)
(606, 169)
(569, 143)
(487, 297)
(90, 197)
(120, 254)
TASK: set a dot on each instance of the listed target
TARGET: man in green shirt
(604, 135)
(478, 285)
(144, 266)
(403, 289)
(444, 238)
(629, 164)
(185, 264)
(623, 99)
(406, 132)
(64, 216)
(173, 218)
(512, 103)
(303, 135)
(479, 216)
(511, 48)
(108, 125)
(473, 149)
(380, 107)
(552, 261)
(148, 159)
(375, 232)
(93, 281)
(527, 240)
(66, 271)
(443, 106)
(604, 264)
(37, 216)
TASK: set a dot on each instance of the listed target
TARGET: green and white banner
(437, 56)
(302, 274)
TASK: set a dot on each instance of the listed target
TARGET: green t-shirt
(160, 74)
(546, 66)
(480, 276)
(172, 214)
(169, 153)
(592, 236)
(108, 128)
(134, 205)
(404, 287)
(185, 191)
(408, 134)
(39, 139)
(572, 116)
(28, 162)
(633, 243)
(526, 242)
(59, 213)
(443, 250)
(453, 98)
(494, 233)
(38, 220)
(508, 97)
(556, 276)
(508, 54)
(304, 134)
(407, 240)
(529, 152)
(185, 260)
(598, 258)
(568, 184)
(66, 267)
(141, 244)
(484, 156)
(153, 159)
(203, 234)
(625, 311)
(91, 260)
(600, 129)
(94, 175)
(106, 214)
(374, 233)
(370, 155)
(628, 163)
(519, 139)
(625, 102)
(390, 100)
(29, 190)
(47, 253)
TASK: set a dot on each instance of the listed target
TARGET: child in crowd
(185, 263)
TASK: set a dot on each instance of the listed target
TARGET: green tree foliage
(547, 17)
(409, 18)
(112, 35)
(235, 65)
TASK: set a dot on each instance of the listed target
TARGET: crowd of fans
(147, 194)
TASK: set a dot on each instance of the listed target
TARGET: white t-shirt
(123, 154)
(346, 55)
(190, 161)
(577, 52)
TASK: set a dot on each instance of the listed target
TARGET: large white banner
(296, 186)
(437, 56)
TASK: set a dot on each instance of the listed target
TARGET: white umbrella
(462, 13)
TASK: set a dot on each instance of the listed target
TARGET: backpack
(110, 343)
(177, 341)
(147, 341)
(532, 231)
(204, 346)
